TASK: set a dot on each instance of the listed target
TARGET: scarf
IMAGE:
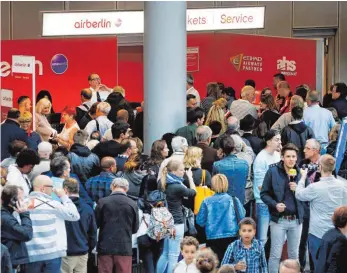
(173, 179)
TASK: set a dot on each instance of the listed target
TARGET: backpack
(202, 192)
(161, 223)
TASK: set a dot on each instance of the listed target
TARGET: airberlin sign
(127, 22)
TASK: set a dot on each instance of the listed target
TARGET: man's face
(26, 104)
(27, 169)
(48, 188)
(201, 121)
(309, 151)
(94, 81)
(226, 96)
(289, 158)
(67, 172)
(251, 96)
(335, 95)
(275, 142)
(192, 103)
(275, 82)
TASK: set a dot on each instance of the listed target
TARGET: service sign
(131, 22)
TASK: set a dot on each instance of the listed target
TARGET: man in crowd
(10, 130)
(122, 116)
(81, 235)
(129, 149)
(278, 192)
(100, 91)
(283, 97)
(240, 108)
(279, 77)
(44, 151)
(247, 125)
(120, 130)
(195, 118)
(324, 197)
(101, 123)
(228, 93)
(60, 168)
(319, 119)
(48, 217)
(209, 154)
(115, 241)
(90, 115)
(15, 147)
(24, 104)
(82, 110)
(99, 186)
(191, 101)
(339, 102)
(191, 90)
(18, 173)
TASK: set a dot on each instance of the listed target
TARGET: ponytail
(163, 178)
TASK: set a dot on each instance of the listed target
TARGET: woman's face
(263, 106)
(66, 117)
(25, 124)
(46, 110)
(180, 171)
(198, 162)
(335, 95)
(165, 151)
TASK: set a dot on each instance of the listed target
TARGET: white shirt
(194, 92)
(15, 177)
(103, 95)
(324, 196)
(104, 124)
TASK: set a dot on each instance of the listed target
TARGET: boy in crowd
(246, 253)
(189, 247)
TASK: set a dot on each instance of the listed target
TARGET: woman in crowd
(217, 113)
(45, 94)
(171, 182)
(134, 174)
(65, 138)
(332, 252)
(266, 91)
(331, 149)
(43, 127)
(268, 114)
(219, 217)
(34, 138)
(212, 96)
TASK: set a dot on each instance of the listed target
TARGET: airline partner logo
(243, 62)
(287, 67)
(59, 64)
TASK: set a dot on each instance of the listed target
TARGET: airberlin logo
(103, 23)
(243, 62)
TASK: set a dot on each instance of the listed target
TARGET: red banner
(231, 59)
(62, 67)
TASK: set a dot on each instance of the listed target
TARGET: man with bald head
(242, 107)
(283, 97)
(48, 221)
(82, 110)
(99, 186)
(319, 119)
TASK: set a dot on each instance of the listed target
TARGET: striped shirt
(241, 108)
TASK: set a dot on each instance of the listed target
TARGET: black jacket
(82, 123)
(343, 168)
(14, 235)
(257, 144)
(341, 106)
(110, 148)
(273, 191)
(117, 217)
(81, 235)
(6, 265)
(297, 134)
(10, 131)
(332, 253)
(118, 102)
(138, 125)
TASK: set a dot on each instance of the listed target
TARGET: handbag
(189, 222)
(237, 212)
(202, 192)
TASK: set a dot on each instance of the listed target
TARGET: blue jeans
(313, 246)
(279, 232)
(49, 266)
(171, 251)
(263, 221)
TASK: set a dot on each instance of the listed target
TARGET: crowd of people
(241, 188)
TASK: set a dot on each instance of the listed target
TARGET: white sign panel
(23, 64)
(6, 98)
(127, 22)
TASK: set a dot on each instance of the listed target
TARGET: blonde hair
(42, 103)
(25, 116)
(296, 101)
(216, 113)
(119, 89)
(191, 156)
(245, 91)
(220, 183)
(139, 143)
(334, 133)
(171, 166)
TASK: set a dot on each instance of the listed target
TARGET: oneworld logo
(59, 64)
(286, 67)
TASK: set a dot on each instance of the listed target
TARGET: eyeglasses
(96, 79)
(48, 186)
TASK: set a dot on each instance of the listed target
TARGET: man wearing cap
(191, 89)
(10, 130)
(44, 151)
(247, 124)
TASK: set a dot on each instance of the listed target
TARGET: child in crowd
(246, 254)
(189, 247)
(227, 268)
(207, 261)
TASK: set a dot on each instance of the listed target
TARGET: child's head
(247, 229)
(227, 268)
(189, 247)
(207, 261)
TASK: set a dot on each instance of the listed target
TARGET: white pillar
(165, 45)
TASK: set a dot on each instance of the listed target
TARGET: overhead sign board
(131, 22)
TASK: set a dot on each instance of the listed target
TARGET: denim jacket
(217, 215)
(236, 170)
